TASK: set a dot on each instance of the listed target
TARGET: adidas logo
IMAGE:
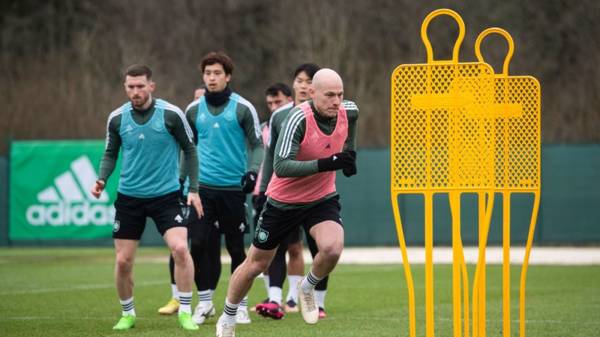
(334, 158)
(68, 202)
(142, 137)
(216, 125)
(178, 218)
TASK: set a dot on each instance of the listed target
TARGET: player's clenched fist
(338, 161)
(98, 188)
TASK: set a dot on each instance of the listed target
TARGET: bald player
(318, 139)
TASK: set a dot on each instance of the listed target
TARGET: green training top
(248, 121)
(289, 166)
(175, 126)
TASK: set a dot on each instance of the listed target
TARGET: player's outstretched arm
(111, 153)
(180, 129)
(248, 119)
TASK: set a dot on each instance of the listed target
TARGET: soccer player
(151, 132)
(275, 277)
(276, 95)
(173, 305)
(226, 126)
(317, 140)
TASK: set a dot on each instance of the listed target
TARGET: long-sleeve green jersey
(229, 141)
(150, 140)
(284, 163)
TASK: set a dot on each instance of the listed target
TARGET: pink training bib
(315, 145)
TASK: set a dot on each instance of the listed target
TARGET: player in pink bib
(317, 140)
(316, 144)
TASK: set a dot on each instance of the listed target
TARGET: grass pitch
(70, 292)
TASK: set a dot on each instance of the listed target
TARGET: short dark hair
(217, 57)
(309, 68)
(274, 89)
(138, 70)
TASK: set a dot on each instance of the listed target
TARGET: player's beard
(141, 105)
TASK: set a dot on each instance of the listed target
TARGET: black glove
(350, 171)
(338, 161)
(259, 200)
(249, 181)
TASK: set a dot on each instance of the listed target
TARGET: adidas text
(79, 214)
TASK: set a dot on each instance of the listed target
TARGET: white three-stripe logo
(67, 187)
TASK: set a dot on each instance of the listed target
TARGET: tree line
(61, 61)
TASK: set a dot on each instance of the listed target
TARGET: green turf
(70, 292)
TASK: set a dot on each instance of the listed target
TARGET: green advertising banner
(49, 194)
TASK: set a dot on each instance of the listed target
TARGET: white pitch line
(37, 318)
(369, 318)
(75, 287)
(446, 319)
(443, 255)
(572, 256)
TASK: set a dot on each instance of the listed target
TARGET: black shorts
(166, 211)
(224, 211)
(294, 236)
(276, 224)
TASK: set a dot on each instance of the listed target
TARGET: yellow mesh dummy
(516, 112)
(441, 142)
